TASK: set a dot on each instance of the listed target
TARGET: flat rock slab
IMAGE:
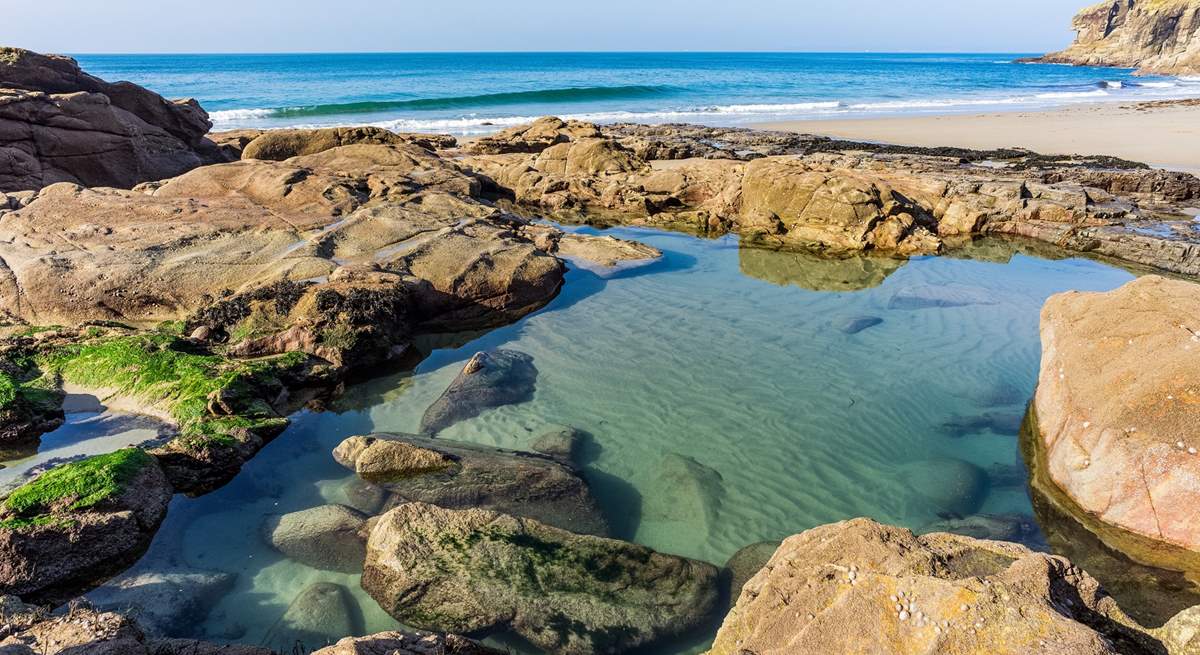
(489, 379)
(460, 475)
(465, 571)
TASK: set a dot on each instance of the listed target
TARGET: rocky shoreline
(249, 275)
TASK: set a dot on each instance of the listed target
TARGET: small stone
(903, 615)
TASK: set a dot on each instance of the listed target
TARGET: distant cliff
(1155, 36)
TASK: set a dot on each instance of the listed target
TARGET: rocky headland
(1157, 37)
(222, 297)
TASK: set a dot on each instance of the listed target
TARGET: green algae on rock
(471, 570)
(80, 522)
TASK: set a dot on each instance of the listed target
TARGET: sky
(104, 26)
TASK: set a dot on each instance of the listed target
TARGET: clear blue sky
(95, 26)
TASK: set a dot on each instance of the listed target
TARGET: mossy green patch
(77, 485)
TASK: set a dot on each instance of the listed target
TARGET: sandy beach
(1165, 134)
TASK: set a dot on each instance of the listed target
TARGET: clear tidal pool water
(731, 357)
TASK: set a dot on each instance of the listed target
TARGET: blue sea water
(478, 92)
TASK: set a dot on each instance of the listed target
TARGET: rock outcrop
(1117, 405)
(79, 523)
(1158, 37)
(407, 643)
(861, 587)
(278, 145)
(843, 198)
(464, 571)
(29, 630)
(489, 379)
(59, 124)
(460, 475)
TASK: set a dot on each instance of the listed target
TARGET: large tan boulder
(535, 137)
(1118, 404)
(861, 587)
(1160, 37)
(59, 124)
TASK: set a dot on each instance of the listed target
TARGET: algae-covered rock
(489, 379)
(470, 570)
(325, 537)
(320, 615)
(460, 475)
(861, 587)
(79, 523)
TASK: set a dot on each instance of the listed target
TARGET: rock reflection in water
(816, 272)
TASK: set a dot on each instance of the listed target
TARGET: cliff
(1157, 37)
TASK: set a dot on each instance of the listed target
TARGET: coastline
(1164, 134)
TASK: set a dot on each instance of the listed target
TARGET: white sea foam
(1070, 95)
(234, 115)
(1113, 84)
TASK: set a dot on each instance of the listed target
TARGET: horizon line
(547, 52)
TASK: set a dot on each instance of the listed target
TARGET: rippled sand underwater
(725, 401)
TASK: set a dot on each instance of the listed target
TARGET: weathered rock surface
(468, 570)
(1118, 402)
(28, 630)
(325, 537)
(319, 616)
(535, 137)
(488, 380)
(603, 255)
(59, 124)
(842, 197)
(50, 553)
(407, 643)
(1160, 37)
(164, 603)
(459, 475)
(861, 587)
(278, 145)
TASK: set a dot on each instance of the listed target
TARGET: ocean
(471, 93)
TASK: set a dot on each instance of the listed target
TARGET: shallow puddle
(732, 396)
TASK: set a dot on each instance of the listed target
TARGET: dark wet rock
(997, 527)
(861, 587)
(563, 443)
(940, 296)
(325, 537)
(320, 615)
(489, 379)
(1007, 475)
(407, 643)
(165, 603)
(52, 548)
(460, 475)
(59, 124)
(745, 564)
(858, 324)
(466, 571)
(947, 485)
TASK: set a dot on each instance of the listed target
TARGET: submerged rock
(407, 643)
(861, 587)
(79, 523)
(997, 527)
(562, 444)
(858, 324)
(745, 564)
(1117, 405)
(1004, 423)
(488, 380)
(685, 493)
(471, 570)
(325, 537)
(947, 485)
(165, 603)
(460, 475)
(363, 496)
(940, 296)
(319, 616)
